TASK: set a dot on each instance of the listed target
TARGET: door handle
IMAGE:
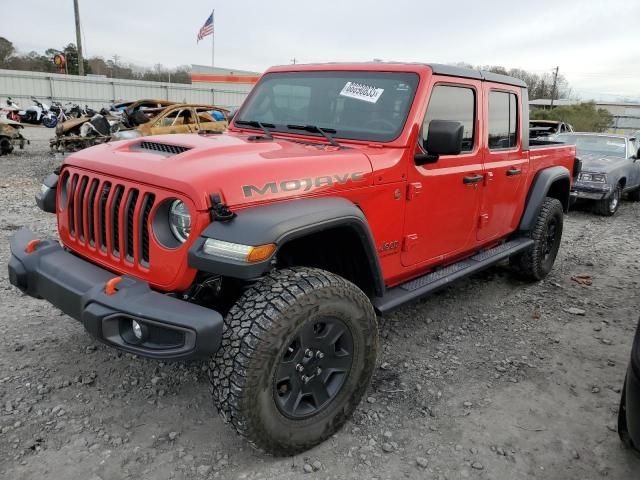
(512, 172)
(472, 179)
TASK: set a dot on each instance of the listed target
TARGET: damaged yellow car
(10, 136)
(77, 134)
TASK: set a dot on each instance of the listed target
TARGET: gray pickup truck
(610, 168)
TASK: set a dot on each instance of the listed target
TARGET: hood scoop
(164, 149)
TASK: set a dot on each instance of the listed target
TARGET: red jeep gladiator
(339, 193)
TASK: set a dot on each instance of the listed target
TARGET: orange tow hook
(110, 286)
(31, 246)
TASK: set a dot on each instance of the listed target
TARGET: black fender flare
(540, 188)
(280, 223)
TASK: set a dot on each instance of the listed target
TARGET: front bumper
(583, 191)
(629, 413)
(172, 328)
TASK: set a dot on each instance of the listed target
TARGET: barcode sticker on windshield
(362, 92)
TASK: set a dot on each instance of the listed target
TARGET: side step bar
(421, 286)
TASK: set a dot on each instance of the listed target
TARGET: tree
(71, 55)
(6, 50)
(585, 117)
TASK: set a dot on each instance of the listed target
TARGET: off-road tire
(534, 263)
(607, 207)
(258, 329)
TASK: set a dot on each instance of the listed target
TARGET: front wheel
(50, 122)
(536, 262)
(609, 206)
(298, 351)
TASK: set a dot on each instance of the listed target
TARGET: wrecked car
(178, 118)
(140, 119)
(610, 168)
(629, 412)
(129, 110)
(544, 128)
(78, 133)
(10, 136)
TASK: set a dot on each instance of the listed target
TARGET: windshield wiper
(314, 128)
(262, 126)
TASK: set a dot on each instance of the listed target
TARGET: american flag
(207, 28)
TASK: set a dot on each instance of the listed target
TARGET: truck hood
(243, 171)
(601, 164)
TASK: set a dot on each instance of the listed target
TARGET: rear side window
(503, 120)
(456, 104)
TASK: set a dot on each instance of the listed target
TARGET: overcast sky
(596, 44)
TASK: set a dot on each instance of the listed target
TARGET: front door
(443, 198)
(506, 164)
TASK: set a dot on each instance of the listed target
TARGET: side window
(456, 104)
(503, 120)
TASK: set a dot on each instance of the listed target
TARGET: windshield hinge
(220, 211)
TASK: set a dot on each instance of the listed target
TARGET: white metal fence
(97, 91)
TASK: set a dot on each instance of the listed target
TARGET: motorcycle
(39, 114)
(10, 111)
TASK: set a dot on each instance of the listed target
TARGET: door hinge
(483, 220)
(413, 190)
(409, 242)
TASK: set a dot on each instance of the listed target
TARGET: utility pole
(78, 39)
(555, 82)
(294, 60)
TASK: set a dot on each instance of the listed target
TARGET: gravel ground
(490, 379)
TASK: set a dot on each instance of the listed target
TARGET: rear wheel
(536, 262)
(298, 351)
(609, 206)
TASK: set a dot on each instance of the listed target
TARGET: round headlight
(179, 220)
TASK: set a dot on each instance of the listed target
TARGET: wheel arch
(554, 182)
(320, 232)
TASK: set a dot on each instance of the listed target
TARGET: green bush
(584, 117)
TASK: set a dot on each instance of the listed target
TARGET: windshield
(351, 105)
(596, 144)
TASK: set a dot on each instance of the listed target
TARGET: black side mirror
(444, 137)
(638, 154)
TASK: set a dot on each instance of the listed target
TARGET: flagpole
(213, 39)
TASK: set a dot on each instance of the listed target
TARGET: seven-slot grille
(109, 217)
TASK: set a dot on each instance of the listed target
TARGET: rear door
(178, 120)
(443, 197)
(506, 165)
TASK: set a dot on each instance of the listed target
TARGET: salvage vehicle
(629, 412)
(129, 109)
(340, 192)
(10, 136)
(79, 133)
(610, 168)
(544, 128)
(176, 118)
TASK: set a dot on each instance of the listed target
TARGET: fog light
(137, 329)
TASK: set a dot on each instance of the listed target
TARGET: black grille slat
(129, 209)
(115, 220)
(80, 207)
(164, 148)
(93, 190)
(102, 214)
(145, 211)
(72, 203)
